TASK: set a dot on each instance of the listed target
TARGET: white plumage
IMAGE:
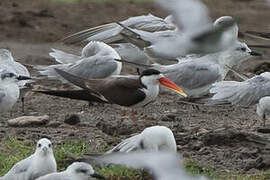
(155, 138)
(76, 171)
(40, 163)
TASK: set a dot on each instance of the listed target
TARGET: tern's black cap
(149, 72)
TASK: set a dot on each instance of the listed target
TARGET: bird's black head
(149, 72)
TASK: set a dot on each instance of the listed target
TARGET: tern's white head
(152, 77)
(233, 30)
(237, 54)
(5, 55)
(44, 147)
(99, 48)
(82, 171)
(230, 35)
(9, 77)
(158, 138)
(265, 75)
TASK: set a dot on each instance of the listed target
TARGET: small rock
(72, 119)
(24, 121)
(169, 117)
(54, 124)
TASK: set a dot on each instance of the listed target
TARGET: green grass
(12, 151)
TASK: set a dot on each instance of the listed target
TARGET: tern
(163, 165)
(245, 93)
(96, 61)
(76, 171)
(8, 63)
(155, 138)
(195, 32)
(123, 91)
(263, 108)
(196, 75)
(110, 33)
(40, 163)
(9, 89)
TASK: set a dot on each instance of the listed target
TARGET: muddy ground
(224, 137)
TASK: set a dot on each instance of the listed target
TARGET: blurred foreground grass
(12, 151)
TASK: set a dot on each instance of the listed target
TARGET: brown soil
(223, 136)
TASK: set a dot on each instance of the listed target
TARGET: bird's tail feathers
(63, 57)
(83, 95)
(226, 91)
(132, 36)
(99, 33)
(127, 145)
(133, 63)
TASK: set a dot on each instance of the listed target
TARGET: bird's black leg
(90, 103)
(22, 100)
(138, 71)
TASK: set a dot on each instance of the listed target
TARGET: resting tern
(196, 75)
(154, 138)
(110, 33)
(76, 171)
(96, 61)
(40, 163)
(245, 93)
(9, 89)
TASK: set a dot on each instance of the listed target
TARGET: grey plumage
(244, 93)
(96, 61)
(110, 33)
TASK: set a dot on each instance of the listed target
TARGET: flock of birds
(183, 50)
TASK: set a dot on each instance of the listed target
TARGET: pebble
(25, 121)
(72, 119)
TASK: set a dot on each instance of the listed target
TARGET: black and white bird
(123, 91)
(9, 89)
(40, 163)
(76, 171)
(8, 63)
(154, 138)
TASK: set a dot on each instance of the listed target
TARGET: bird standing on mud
(122, 91)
